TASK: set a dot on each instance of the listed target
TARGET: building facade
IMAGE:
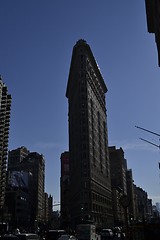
(90, 187)
(46, 208)
(118, 168)
(64, 188)
(5, 109)
(16, 157)
(18, 210)
(131, 195)
(50, 210)
(141, 202)
(153, 21)
(26, 171)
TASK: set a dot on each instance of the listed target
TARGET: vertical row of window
(97, 140)
(96, 85)
(5, 104)
(105, 148)
(93, 127)
(92, 131)
(100, 140)
(83, 119)
(74, 130)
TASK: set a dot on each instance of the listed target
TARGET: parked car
(54, 234)
(106, 234)
(27, 236)
(9, 237)
(67, 237)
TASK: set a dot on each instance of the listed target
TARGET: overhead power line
(150, 142)
(144, 129)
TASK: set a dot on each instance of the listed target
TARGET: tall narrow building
(118, 169)
(5, 108)
(118, 166)
(90, 187)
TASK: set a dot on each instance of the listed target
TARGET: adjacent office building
(26, 172)
(64, 189)
(90, 186)
(131, 195)
(118, 168)
(16, 157)
(141, 202)
(5, 108)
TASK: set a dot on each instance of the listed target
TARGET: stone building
(118, 168)
(26, 172)
(90, 186)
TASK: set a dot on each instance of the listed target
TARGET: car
(8, 237)
(54, 234)
(117, 232)
(27, 236)
(67, 237)
(106, 233)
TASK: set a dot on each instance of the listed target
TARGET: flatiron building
(90, 186)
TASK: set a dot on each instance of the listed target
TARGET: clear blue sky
(36, 41)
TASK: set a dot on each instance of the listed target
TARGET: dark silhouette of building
(26, 172)
(153, 21)
(50, 210)
(118, 168)
(118, 165)
(18, 210)
(137, 207)
(46, 208)
(5, 108)
(131, 195)
(16, 157)
(141, 201)
(90, 187)
(149, 209)
(64, 188)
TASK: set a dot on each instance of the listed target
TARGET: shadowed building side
(153, 21)
(90, 187)
(26, 172)
(65, 187)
